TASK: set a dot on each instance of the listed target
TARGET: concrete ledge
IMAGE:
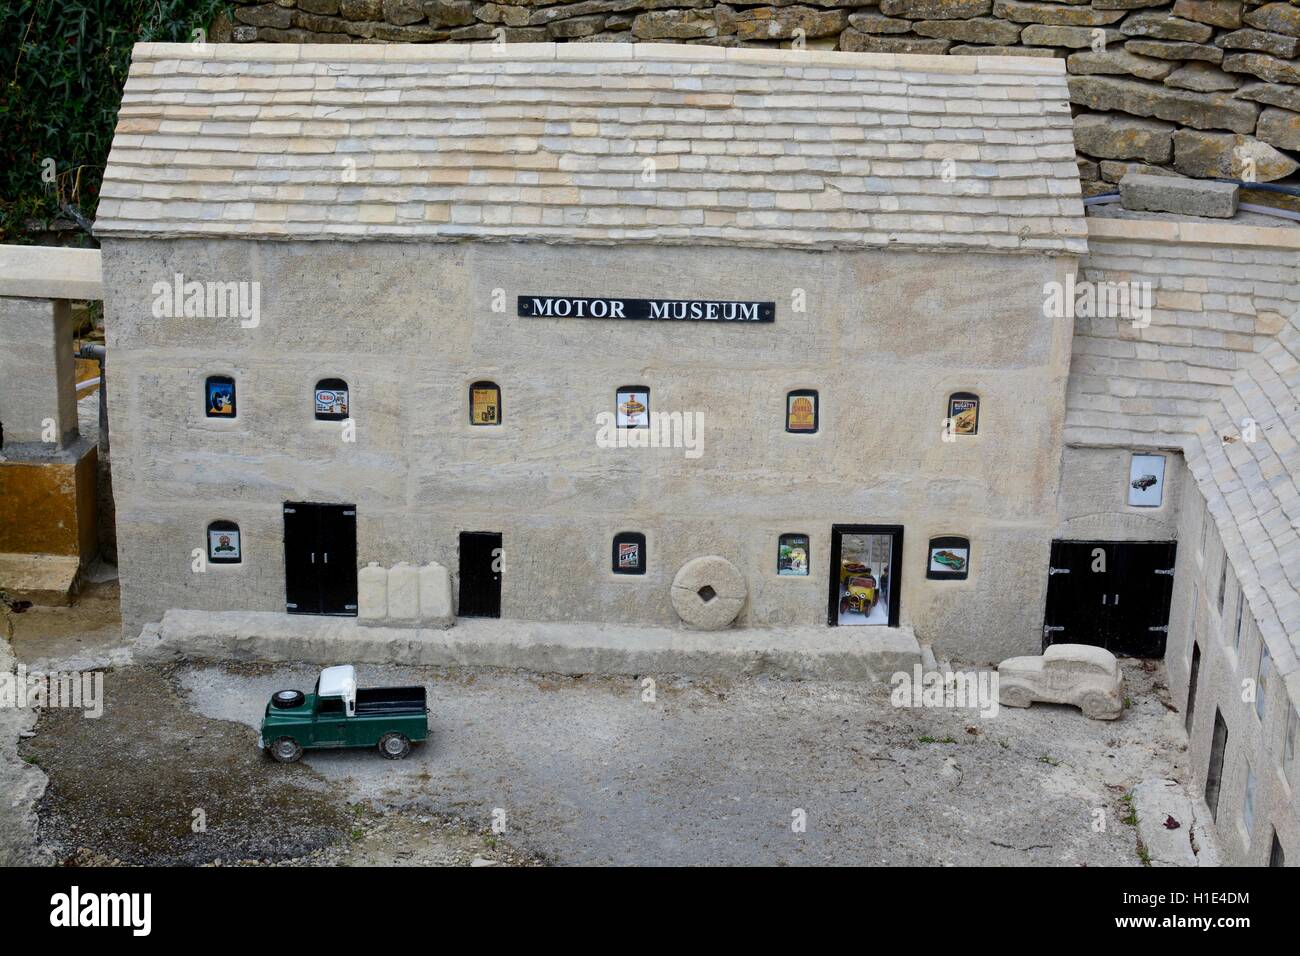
(49, 580)
(50, 272)
(822, 653)
(1199, 233)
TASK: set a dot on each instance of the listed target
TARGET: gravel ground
(588, 772)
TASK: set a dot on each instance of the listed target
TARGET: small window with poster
(801, 411)
(792, 555)
(331, 399)
(632, 407)
(219, 396)
(629, 553)
(949, 559)
(224, 546)
(963, 413)
(484, 404)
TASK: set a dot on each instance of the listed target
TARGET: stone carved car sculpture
(1079, 674)
(339, 714)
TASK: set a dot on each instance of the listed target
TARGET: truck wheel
(394, 746)
(285, 749)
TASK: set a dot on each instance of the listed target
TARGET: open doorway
(865, 575)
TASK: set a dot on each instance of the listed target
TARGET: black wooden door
(480, 574)
(320, 559)
(1112, 594)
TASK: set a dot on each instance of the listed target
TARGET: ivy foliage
(62, 67)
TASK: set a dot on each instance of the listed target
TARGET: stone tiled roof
(594, 143)
(1251, 486)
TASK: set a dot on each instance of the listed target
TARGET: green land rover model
(338, 714)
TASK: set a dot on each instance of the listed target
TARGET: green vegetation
(62, 67)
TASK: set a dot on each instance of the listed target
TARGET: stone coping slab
(50, 272)
(809, 652)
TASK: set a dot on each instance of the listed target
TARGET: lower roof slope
(606, 143)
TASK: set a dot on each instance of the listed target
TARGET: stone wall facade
(1200, 88)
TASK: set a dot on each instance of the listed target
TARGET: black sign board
(687, 310)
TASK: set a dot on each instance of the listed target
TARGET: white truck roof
(339, 681)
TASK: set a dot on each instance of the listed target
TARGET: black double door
(320, 558)
(480, 574)
(1112, 594)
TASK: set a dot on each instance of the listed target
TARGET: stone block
(674, 25)
(855, 42)
(972, 50)
(1274, 94)
(372, 593)
(403, 594)
(1184, 197)
(1074, 38)
(936, 9)
(1228, 156)
(1202, 77)
(403, 12)
(1275, 18)
(1115, 136)
(1274, 44)
(975, 30)
(1187, 108)
(869, 21)
(1267, 68)
(1279, 128)
(435, 596)
(1112, 171)
(1121, 61)
(783, 23)
(1218, 13)
(1175, 50)
(449, 13)
(1054, 14)
(1161, 26)
(38, 402)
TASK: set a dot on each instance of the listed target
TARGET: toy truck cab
(339, 714)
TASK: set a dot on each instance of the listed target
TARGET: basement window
(224, 546)
(485, 403)
(219, 396)
(629, 553)
(331, 400)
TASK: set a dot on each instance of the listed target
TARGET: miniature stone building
(685, 337)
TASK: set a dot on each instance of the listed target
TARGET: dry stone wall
(1201, 88)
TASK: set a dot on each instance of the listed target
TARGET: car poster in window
(633, 408)
(949, 558)
(223, 544)
(964, 413)
(801, 412)
(485, 405)
(792, 555)
(221, 398)
(1146, 481)
(629, 555)
(332, 402)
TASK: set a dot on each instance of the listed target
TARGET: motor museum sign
(688, 310)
